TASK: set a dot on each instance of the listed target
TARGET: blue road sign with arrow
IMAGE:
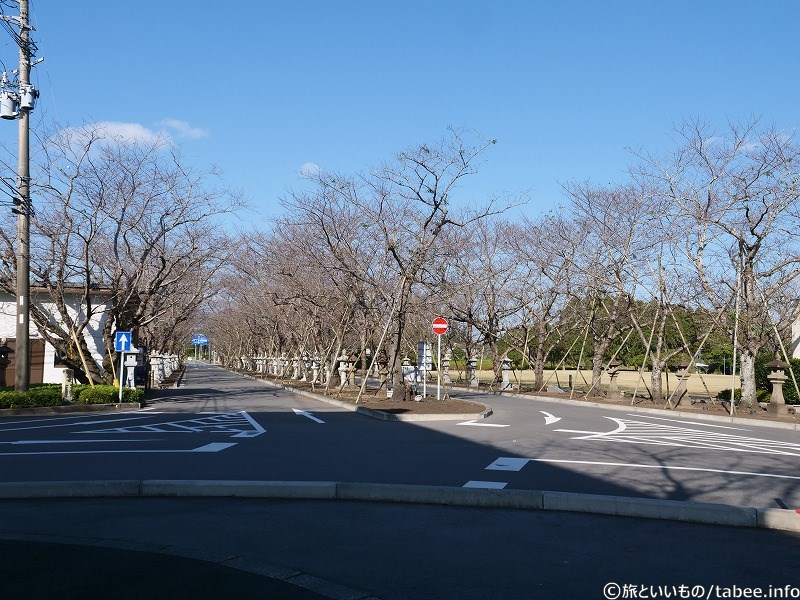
(198, 339)
(122, 341)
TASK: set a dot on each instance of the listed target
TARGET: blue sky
(262, 88)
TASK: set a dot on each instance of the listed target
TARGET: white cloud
(125, 132)
(182, 129)
(309, 169)
(134, 133)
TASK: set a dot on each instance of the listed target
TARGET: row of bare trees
(698, 241)
(124, 230)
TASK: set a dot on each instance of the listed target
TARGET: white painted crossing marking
(486, 485)
(256, 431)
(641, 432)
(549, 419)
(240, 424)
(308, 415)
(523, 461)
(474, 423)
(508, 464)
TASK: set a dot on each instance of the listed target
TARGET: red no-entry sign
(439, 326)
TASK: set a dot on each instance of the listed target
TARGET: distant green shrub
(761, 395)
(106, 394)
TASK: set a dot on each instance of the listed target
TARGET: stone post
(505, 368)
(777, 377)
(472, 371)
(67, 381)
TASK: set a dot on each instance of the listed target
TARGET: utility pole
(23, 373)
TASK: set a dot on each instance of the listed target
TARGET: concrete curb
(697, 415)
(370, 412)
(618, 506)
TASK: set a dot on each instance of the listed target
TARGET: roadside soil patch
(376, 399)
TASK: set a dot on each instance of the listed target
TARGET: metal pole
(424, 369)
(23, 374)
(121, 375)
(439, 368)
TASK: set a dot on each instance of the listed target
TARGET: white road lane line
(104, 421)
(638, 416)
(492, 467)
(37, 442)
(213, 447)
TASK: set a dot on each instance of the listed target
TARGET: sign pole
(121, 373)
(424, 370)
(439, 327)
(439, 368)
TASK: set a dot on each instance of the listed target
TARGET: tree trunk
(748, 379)
(656, 387)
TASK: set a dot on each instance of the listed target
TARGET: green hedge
(50, 395)
(36, 396)
(104, 394)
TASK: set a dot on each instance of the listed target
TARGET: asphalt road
(220, 425)
(390, 551)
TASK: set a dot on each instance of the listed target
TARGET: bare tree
(128, 217)
(737, 194)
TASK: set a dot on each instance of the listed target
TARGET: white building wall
(93, 334)
(796, 338)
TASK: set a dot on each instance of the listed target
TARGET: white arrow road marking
(486, 485)
(307, 414)
(549, 419)
(474, 423)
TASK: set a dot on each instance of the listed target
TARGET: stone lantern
(777, 377)
(683, 375)
(4, 362)
(448, 356)
(613, 372)
(472, 370)
(505, 369)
